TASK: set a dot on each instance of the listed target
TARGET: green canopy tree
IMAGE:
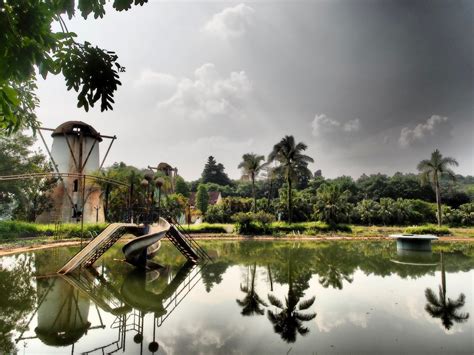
(181, 187)
(292, 163)
(252, 164)
(29, 45)
(202, 198)
(431, 170)
(214, 172)
(23, 199)
(332, 205)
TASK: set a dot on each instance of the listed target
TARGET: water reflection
(359, 291)
(62, 313)
(17, 300)
(333, 270)
(445, 308)
(64, 304)
(252, 303)
(288, 319)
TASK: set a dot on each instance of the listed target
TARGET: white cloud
(208, 94)
(231, 22)
(323, 125)
(433, 127)
(150, 77)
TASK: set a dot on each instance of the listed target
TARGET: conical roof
(74, 127)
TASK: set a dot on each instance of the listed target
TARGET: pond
(255, 298)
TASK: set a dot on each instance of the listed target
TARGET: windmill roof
(72, 127)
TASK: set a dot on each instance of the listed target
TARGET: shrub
(428, 229)
(215, 214)
(245, 223)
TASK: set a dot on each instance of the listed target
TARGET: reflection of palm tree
(333, 271)
(288, 320)
(333, 277)
(252, 302)
(445, 309)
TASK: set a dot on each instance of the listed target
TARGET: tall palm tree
(432, 169)
(445, 309)
(292, 163)
(252, 165)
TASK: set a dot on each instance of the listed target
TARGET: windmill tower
(74, 154)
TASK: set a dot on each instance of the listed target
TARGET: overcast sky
(369, 86)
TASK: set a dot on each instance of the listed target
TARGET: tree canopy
(214, 172)
(29, 45)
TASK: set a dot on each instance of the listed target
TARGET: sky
(369, 86)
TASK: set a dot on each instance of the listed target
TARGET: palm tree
(445, 309)
(252, 165)
(332, 205)
(292, 163)
(251, 304)
(432, 169)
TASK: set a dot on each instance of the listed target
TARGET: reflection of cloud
(335, 320)
(434, 127)
(214, 339)
(324, 125)
(231, 22)
(208, 94)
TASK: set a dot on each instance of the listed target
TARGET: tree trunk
(289, 201)
(438, 199)
(253, 193)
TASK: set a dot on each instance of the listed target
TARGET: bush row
(15, 229)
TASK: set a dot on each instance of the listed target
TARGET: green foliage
(202, 198)
(181, 187)
(463, 216)
(245, 223)
(23, 199)
(431, 170)
(332, 205)
(251, 165)
(293, 165)
(19, 229)
(214, 172)
(28, 45)
(216, 214)
(428, 229)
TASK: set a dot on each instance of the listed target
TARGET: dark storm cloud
(358, 81)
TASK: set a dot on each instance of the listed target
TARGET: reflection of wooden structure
(75, 150)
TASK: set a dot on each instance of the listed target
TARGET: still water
(255, 298)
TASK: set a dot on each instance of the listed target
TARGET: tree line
(279, 186)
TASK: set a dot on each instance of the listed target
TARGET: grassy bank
(18, 229)
(10, 230)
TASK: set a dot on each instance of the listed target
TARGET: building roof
(73, 127)
(213, 197)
